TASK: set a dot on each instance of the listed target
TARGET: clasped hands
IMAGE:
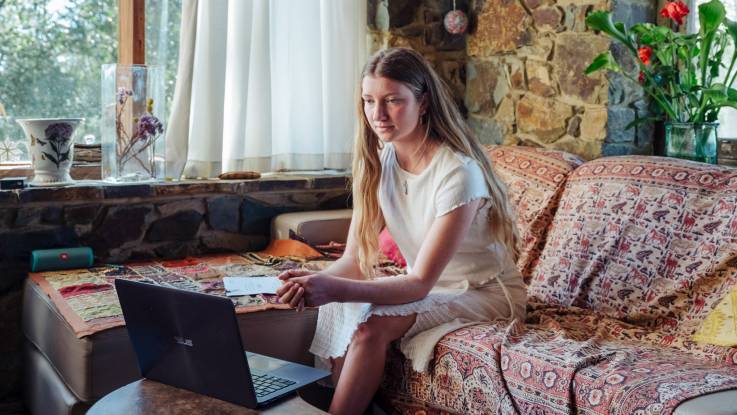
(302, 288)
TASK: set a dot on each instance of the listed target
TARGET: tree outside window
(51, 52)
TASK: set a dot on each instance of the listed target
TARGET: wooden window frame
(132, 32)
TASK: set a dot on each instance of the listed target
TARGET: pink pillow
(389, 248)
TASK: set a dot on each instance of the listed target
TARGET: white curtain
(266, 85)
(727, 116)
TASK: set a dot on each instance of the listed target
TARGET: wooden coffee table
(149, 397)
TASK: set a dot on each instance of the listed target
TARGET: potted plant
(682, 73)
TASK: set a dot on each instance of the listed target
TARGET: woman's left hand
(318, 288)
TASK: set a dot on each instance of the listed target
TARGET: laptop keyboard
(266, 384)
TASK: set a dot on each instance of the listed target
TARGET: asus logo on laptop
(183, 341)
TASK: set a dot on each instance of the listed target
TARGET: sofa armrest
(316, 227)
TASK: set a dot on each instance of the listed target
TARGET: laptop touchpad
(264, 363)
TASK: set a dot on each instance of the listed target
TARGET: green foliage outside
(50, 57)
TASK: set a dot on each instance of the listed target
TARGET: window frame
(132, 32)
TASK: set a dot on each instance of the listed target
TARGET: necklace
(405, 184)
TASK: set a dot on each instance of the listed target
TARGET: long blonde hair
(444, 123)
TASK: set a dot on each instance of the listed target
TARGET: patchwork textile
(88, 301)
(535, 178)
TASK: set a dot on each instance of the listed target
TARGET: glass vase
(692, 141)
(133, 107)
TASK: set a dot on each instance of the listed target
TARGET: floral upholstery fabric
(587, 364)
(650, 241)
(534, 179)
(639, 251)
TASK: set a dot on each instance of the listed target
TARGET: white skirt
(439, 313)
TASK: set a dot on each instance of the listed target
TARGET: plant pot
(51, 148)
(692, 141)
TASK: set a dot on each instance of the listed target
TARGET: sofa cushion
(648, 240)
(720, 326)
(315, 227)
(45, 392)
(389, 248)
(534, 179)
(558, 365)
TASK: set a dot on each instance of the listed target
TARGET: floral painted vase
(51, 148)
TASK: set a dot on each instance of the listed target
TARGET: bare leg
(363, 367)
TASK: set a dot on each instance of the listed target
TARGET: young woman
(419, 172)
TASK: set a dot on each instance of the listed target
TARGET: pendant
(405, 187)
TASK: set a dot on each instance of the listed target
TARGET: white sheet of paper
(251, 285)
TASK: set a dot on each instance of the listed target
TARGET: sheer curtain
(727, 116)
(266, 85)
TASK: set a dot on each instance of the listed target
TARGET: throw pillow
(389, 248)
(720, 326)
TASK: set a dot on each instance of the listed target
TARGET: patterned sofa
(624, 257)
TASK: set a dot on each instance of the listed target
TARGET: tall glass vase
(692, 141)
(133, 107)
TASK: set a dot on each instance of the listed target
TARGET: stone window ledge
(96, 190)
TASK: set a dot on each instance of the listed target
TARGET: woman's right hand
(291, 292)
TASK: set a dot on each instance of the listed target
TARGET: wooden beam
(132, 32)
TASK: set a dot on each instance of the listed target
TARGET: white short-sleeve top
(411, 202)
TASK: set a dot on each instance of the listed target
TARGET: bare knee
(370, 334)
(381, 331)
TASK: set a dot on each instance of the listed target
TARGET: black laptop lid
(186, 339)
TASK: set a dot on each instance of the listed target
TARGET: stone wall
(518, 74)
(419, 25)
(525, 81)
(137, 222)
(626, 99)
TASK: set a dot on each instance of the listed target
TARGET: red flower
(641, 78)
(675, 10)
(645, 53)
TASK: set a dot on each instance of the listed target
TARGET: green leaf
(721, 93)
(711, 15)
(641, 120)
(717, 106)
(603, 61)
(642, 28)
(602, 21)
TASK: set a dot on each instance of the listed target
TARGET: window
(50, 57)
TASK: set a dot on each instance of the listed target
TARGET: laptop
(191, 341)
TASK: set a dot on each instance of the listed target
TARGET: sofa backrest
(534, 179)
(649, 240)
